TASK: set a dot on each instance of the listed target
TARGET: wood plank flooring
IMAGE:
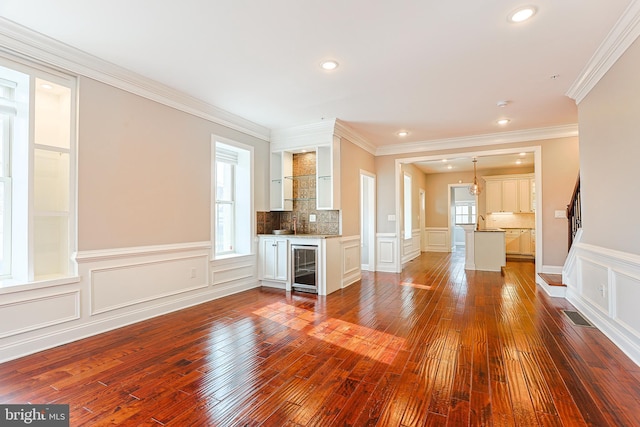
(433, 346)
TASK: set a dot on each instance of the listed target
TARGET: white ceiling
(456, 164)
(434, 68)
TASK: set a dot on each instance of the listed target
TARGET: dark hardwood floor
(435, 345)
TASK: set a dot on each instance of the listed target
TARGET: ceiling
(460, 163)
(434, 68)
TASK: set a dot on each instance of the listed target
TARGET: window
(233, 195)
(37, 196)
(407, 206)
(465, 213)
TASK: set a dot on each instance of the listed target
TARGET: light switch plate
(391, 217)
(312, 217)
(561, 214)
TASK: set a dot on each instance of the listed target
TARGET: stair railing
(574, 212)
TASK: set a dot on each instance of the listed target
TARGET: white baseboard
(552, 269)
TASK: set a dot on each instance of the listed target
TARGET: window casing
(37, 176)
(232, 183)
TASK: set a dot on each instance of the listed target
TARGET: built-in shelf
(300, 176)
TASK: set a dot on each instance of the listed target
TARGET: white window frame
(22, 189)
(470, 216)
(243, 198)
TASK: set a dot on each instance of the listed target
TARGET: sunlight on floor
(360, 339)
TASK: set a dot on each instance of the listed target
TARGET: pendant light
(474, 189)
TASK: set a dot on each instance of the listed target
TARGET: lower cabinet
(520, 241)
(273, 259)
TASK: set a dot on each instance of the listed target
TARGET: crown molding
(480, 140)
(312, 134)
(25, 43)
(344, 131)
(621, 36)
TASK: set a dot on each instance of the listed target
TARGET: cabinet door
(274, 262)
(328, 176)
(281, 269)
(510, 195)
(525, 242)
(512, 241)
(494, 196)
(281, 188)
(524, 195)
(268, 255)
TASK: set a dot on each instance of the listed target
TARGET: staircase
(554, 284)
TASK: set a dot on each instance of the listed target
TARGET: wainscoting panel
(386, 252)
(351, 265)
(604, 285)
(411, 247)
(437, 239)
(29, 314)
(594, 286)
(626, 296)
(113, 288)
(232, 271)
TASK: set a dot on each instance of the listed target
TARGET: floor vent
(577, 318)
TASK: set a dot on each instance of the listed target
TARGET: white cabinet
(281, 188)
(512, 241)
(273, 258)
(520, 241)
(512, 193)
(328, 176)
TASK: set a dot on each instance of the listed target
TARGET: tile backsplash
(304, 204)
(515, 220)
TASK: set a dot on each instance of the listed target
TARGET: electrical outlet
(312, 217)
(603, 291)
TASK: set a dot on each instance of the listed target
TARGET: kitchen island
(484, 249)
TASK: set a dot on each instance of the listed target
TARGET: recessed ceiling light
(502, 104)
(503, 122)
(444, 160)
(329, 65)
(403, 133)
(523, 154)
(522, 14)
(46, 86)
(518, 162)
(449, 167)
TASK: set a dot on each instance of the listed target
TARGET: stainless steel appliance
(305, 268)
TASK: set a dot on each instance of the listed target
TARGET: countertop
(490, 230)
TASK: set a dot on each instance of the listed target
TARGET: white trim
(25, 301)
(600, 296)
(552, 291)
(28, 44)
(477, 141)
(107, 254)
(621, 36)
(351, 270)
(342, 130)
(551, 269)
(430, 246)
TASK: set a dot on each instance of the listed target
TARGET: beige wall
(144, 171)
(559, 171)
(352, 160)
(609, 121)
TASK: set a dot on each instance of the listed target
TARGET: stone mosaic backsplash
(304, 204)
(327, 222)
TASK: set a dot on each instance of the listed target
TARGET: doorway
(367, 221)
(463, 210)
